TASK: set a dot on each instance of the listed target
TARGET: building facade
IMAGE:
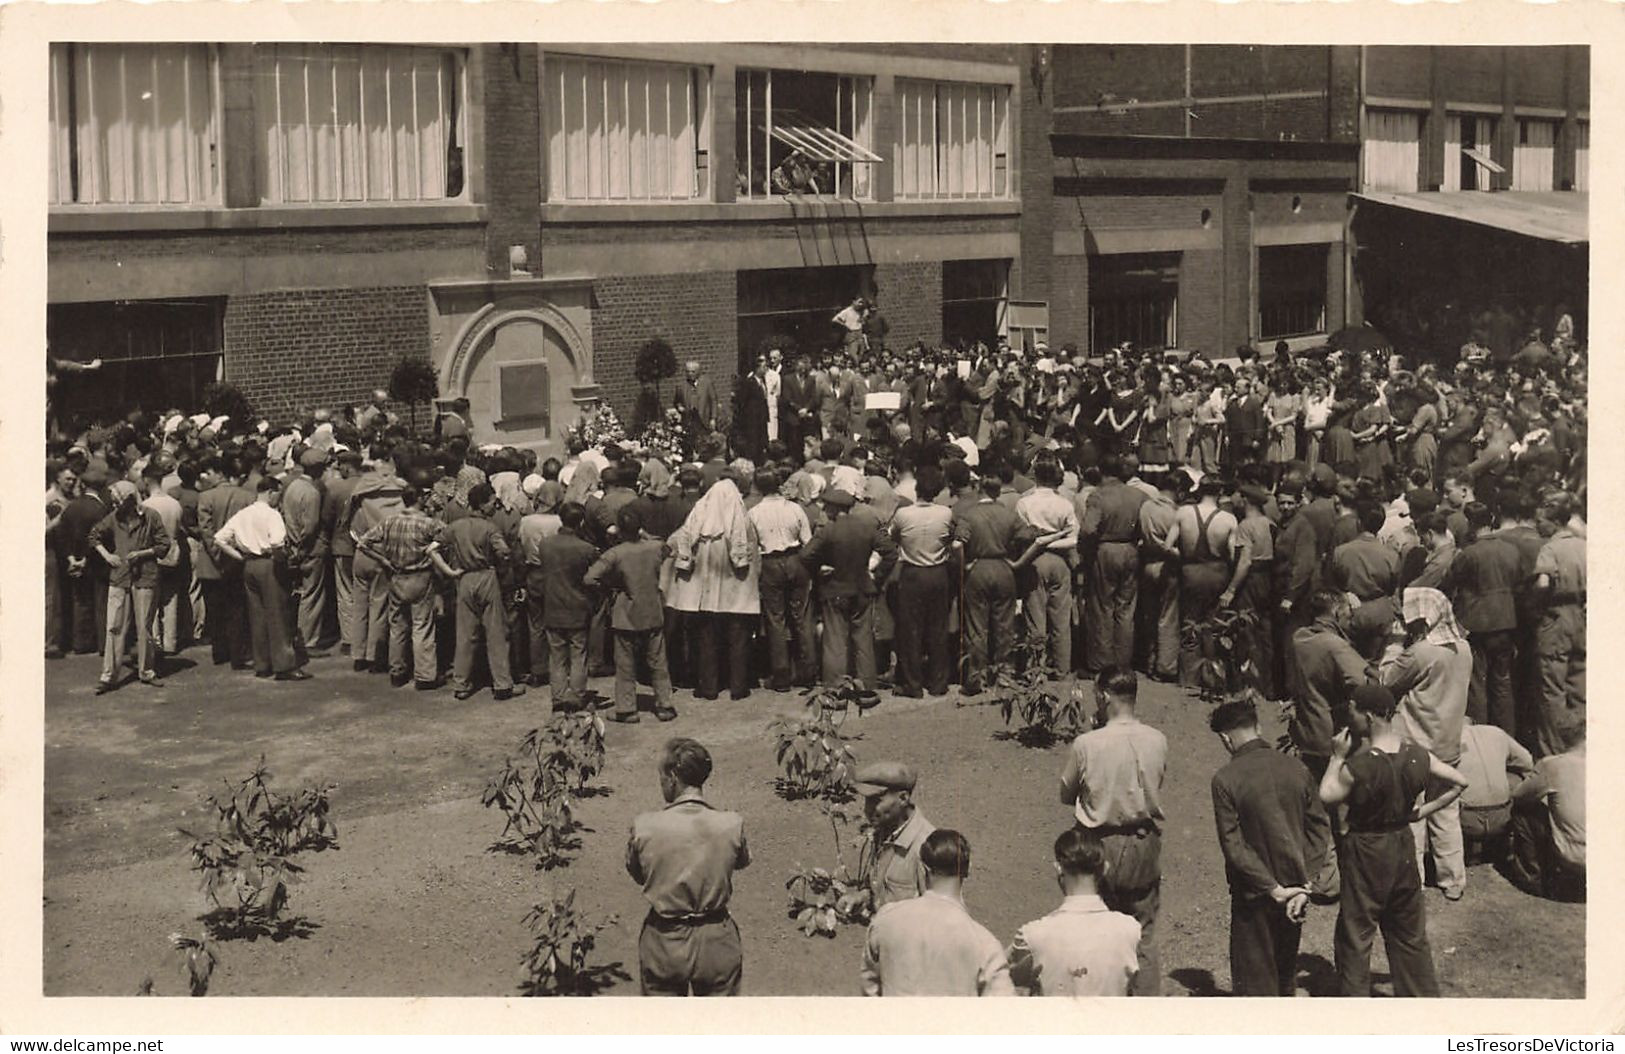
(295, 219)
(1201, 192)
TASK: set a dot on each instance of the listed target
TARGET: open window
(1134, 299)
(1468, 164)
(804, 134)
(1291, 290)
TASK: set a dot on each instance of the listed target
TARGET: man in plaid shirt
(407, 545)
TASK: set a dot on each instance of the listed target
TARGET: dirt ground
(413, 904)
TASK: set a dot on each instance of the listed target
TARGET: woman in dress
(1209, 418)
(1282, 410)
(1369, 426)
(1317, 411)
(1181, 419)
(1155, 449)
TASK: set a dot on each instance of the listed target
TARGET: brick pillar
(239, 142)
(724, 146)
(510, 158)
(1031, 113)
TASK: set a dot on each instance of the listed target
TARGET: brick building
(297, 218)
(1201, 194)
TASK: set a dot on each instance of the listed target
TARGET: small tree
(825, 898)
(814, 754)
(413, 381)
(250, 860)
(561, 940)
(656, 362)
(1227, 641)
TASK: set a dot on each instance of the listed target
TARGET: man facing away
(685, 856)
(1380, 777)
(1273, 832)
(929, 945)
(1083, 947)
(1113, 780)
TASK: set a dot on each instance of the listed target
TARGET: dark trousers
(1561, 641)
(849, 639)
(538, 662)
(1157, 618)
(1382, 890)
(479, 607)
(682, 958)
(226, 609)
(56, 575)
(1108, 606)
(1132, 884)
(566, 665)
(1490, 700)
(640, 650)
(721, 639)
(1258, 596)
(786, 588)
(1199, 587)
(922, 629)
(1263, 948)
(679, 649)
(989, 615)
(1533, 864)
(270, 615)
(89, 611)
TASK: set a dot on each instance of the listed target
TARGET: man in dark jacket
(1274, 832)
(562, 563)
(1484, 579)
(838, 556)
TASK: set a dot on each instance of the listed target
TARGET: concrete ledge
(98, 219)
(777, 209)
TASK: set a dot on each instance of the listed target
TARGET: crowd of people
(1409, 539)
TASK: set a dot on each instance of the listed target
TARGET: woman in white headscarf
(717, 562)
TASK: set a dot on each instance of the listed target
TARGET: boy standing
(632, 570)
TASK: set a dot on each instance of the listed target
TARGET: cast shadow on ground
(590, 981)
(1196, 982)
(224, 924)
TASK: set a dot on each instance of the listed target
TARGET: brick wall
(911, 300)
(696, 313)
(1069, 302)
(296, 350)
(512, 152)
(1201, 294)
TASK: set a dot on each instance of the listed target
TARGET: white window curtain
(1481, 133)
(1532, 160)
(953, 140)
(353, 123)
(1582, 156)
(626, 131)
(133, 124)
(1393, 150)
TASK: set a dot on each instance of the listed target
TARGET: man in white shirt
(1048, 594)
(773, 381)
(1083, 947)
(786, 584)
(929, 944)
(257, 535)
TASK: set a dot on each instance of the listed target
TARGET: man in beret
(899, 828)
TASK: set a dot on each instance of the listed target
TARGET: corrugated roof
(1557, 215)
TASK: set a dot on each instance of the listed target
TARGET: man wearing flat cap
(308, 545)
(892, 858)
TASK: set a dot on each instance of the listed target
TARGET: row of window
(140, 125)
(1393, 152)
(1134, 297)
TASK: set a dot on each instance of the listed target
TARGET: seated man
(1494, 764)
(1549, 823)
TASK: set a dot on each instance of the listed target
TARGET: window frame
(462, 125)
(1423, 117)
(704, 101)
(75, 155)
(847, 86)
(1324, 250)
(1167, 270)
(1003, 99)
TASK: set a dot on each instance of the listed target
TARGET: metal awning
(1553, 215)
(1480, 155)
(818, 142)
